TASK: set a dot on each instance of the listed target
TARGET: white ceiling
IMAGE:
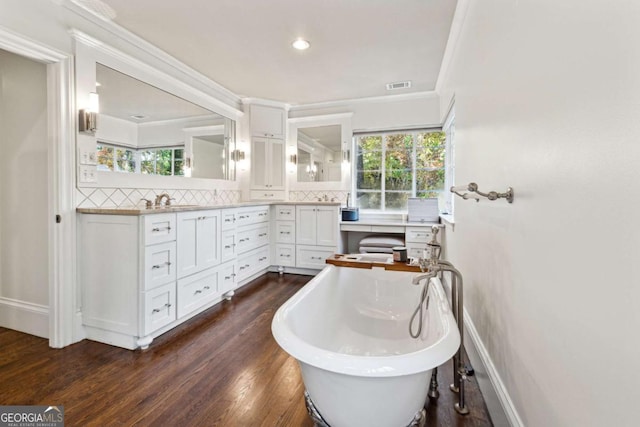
(357, 46)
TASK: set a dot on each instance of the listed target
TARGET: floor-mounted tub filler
(349, 330)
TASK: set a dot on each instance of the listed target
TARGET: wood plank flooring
(222, 368)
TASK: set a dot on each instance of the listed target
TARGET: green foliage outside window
(392, 167)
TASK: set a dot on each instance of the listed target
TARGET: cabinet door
(327, 226)
(208, 239)
(306, 225)
(267, 121)
(285, 232)
(227, 277)
(275, 166)
(197, 291)
(259, 163)
(159, 264)
(198, 241)
(187, 243)
(228, 245)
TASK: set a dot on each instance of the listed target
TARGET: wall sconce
(293, 159)
(88, 117)
(237, 155)
(346, 156)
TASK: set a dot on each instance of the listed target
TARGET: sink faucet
(159, 198)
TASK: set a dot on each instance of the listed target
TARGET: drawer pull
(285, 256)
(227, 277)
(198, 291)
(243, 217)
(263, 258)
(207, 287)
(285, 232)
(160, 265)
(227, 246)
(233, 274)
(158, 310)
(227, 220)
(156, 229)
(262, 235)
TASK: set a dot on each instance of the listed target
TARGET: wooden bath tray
(342, 260)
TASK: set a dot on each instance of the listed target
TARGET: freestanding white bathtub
(349, 330)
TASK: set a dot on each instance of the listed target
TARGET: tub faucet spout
(428, 275)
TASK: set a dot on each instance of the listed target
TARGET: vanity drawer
(228, 242)
(247, 216)
(285, 255)
(313, 256)
(197, 291)
(159, 264)
(252, 238)
(418, 234)
(227, 277)
(267, 195)
(228, 219)
(285, 213)
(159, 307)
(159, 228)
(285, 232)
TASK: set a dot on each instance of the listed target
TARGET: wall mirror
(145, 130)
(319, 153)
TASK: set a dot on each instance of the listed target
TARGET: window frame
(383, 191)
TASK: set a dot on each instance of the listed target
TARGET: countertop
(139, 210)
(389, 223)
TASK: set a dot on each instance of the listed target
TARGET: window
(393, 166)
(115, 158)
(155, 161)
(162, 161)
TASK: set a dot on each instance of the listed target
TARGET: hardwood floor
(222, 368)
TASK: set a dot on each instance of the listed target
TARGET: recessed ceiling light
(300, 44)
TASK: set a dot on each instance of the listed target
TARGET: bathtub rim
(367, 366)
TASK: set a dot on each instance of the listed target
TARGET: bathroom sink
(163, 207)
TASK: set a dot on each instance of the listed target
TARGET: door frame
(64, 304)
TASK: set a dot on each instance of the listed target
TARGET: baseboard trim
(499, 403)
(24, 317)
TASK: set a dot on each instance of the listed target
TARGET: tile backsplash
(124, 197)
(312, 196)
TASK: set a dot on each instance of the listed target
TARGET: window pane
(398, 179)
(104, 158)
(163, 162)
(369, 143)
(178, 153)
(369, 200)
(429, 179)
(147, 162)
(125, 160)
(430, 149)
(399, 142)
(394, 201)
(369, 180)
(178, 168)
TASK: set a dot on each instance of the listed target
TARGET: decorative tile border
(312, 196)
(125, 197)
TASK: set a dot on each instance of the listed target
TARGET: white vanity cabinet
(127, 269)
(253, 237)
(268, 126)
(317, 234)
(198, 241)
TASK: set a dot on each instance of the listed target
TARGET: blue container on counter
(350, 214)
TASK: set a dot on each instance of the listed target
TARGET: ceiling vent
(399, 85)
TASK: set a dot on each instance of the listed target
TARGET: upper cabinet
(268, 122)
(268, 126)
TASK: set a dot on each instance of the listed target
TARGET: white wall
(548, 101)
(23, 192)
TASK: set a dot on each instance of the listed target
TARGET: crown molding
(147, 48)
(367, 100)
(265, 102)
(210, 100)
(457, 25)
(324, 118)
(19, 44)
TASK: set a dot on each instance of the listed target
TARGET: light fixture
(237, 155)
(300, 44)
(293, 159)
(88, 117)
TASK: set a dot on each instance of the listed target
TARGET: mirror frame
(341, 119)
(90, 51)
